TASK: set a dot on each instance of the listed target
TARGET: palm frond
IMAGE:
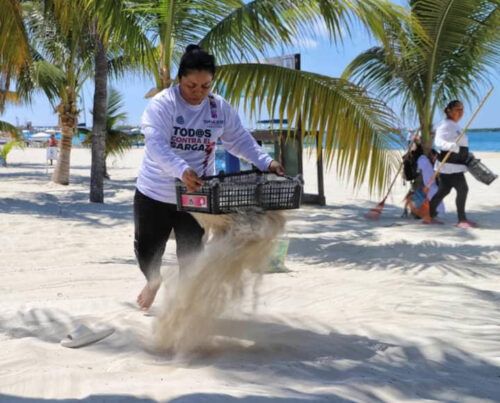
(14, 49)
(114, 115)
(466, 46)
(7, 148)
(11, 129)
(123, 34)
(392, 79)
(455, 57)
(117, 141)
(44, 76)
(261, 26)
(10, 97)
(355, 129)
(251, 29)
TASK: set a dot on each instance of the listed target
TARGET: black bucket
(480, 171)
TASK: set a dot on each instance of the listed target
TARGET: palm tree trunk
(68, 116)
(166, 47)
(98, 168)
(106, 174)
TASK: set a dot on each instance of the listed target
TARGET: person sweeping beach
(181, 125)
(452, 173)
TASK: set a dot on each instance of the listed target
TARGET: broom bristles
(374, 213)
(423, 211)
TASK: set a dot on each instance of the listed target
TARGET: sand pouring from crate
(231, 193)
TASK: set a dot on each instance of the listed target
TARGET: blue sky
(317, 56)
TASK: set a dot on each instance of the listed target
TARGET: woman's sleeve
(445, 139)
(157, 129)
(238, 141)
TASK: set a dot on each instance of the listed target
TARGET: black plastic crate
(229, 193)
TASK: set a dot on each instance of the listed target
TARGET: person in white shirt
(181, 126)
(425, 165)
(453, 170)
(52, 150)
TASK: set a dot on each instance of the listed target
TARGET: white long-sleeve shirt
(179, 135)
(447, 134)
(425, 167)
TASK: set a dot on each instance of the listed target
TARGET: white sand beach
(385, 311)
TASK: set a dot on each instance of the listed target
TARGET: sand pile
(238, 247)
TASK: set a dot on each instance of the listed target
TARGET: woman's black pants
(154, 222)
(446, 183)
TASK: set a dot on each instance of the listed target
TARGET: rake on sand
(423, 209)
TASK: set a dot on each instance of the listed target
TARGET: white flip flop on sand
(83, 336)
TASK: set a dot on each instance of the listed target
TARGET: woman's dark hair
(195, 58)
(419, 150)
(451, 105)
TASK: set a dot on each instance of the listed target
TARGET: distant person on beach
(52, 149)
(452, 173)
(181, 126)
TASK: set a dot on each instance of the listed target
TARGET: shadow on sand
(74, 206)
(321, 236)
(335, 367)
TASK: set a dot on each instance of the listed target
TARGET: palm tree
(120, 44)
(62, 62)
(353, 125)
(454, 59)
(69, 40)
(117, 141)
(72, 40)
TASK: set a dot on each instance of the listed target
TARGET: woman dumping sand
(181, 126)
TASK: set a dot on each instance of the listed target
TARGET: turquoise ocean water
(479, 140)
(484, 140)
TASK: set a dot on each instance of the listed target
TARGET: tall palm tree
(353, 125)
(119, 45)
(455, 57)
(62, 62)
